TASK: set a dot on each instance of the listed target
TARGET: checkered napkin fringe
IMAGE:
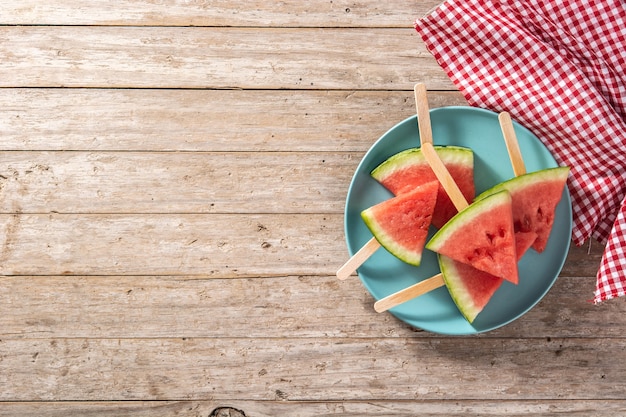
(559, 68)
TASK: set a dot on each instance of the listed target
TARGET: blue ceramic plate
(383, 274)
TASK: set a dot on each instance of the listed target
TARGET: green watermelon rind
(520, 182)
(458, 292)
(413, 156)
(399, 251)
(466, 216)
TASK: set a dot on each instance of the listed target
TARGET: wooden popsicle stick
(358, 258)
(409, 293)
(444, 177)
(512, 146)
(423, 113)
(426, 137)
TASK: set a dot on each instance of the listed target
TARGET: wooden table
(172, 179)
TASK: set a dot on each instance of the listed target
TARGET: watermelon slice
(401, 223)
(408, 169)
(470, 288)
(535, 197)
(482, 236)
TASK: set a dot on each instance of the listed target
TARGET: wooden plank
(139, 299)
(316, 13)
(203, 120)
(204, 245)
(372, 408)
(313, 369)
(173, 182)
(584, 260)
(292, 306)
(183, 57)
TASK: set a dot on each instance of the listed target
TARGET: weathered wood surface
(293, 369)
(152, 307)
(187, 244)
(315, 13)
(183, 57)
(171, 220)
(233, 182)
(378, 408)
(203, 120)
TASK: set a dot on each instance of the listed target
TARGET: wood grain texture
(316, 13)
(318, 369)
(173, 306)
(174, 182)
(182, 57)
(217, 245)
(372, 408)
(203, 120)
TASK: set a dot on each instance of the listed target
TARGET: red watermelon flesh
(535, 197)
(523, 242)
(408, 169)
(401, 223)
(470, 288)
(482, 236)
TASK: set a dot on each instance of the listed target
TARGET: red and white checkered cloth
(559, 68)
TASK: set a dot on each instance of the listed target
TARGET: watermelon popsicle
(535, 195)
(403, 172)
(481, 234)
(401, 224)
